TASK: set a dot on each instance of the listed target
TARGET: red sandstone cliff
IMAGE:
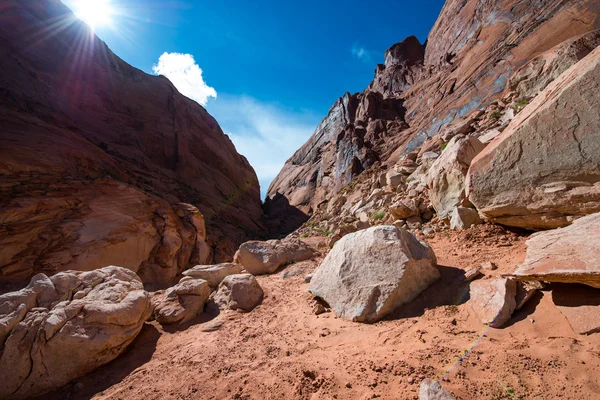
(97, 158)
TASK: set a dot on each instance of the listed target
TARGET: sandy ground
(281, 350)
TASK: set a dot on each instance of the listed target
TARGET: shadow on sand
(450, 289)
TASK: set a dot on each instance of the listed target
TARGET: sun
(94, 12)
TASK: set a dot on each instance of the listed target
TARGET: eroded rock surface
(97, 158)
(569, 255)
(544, 170)
(213, 274)
(369, 273)
(181, 303)
(62, 327)
(239, 292)
(260, 258)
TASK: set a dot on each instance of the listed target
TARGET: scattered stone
(266, 257)
(394, 178)
(308, 278)
(213, 325)
(369, 273)
(404, 209)
(182, 302)
(489, 136)
(414, 223)
(432, 390)
(213, 274)
(471, 274)
(464, 218)
(87, 318)
(568, 255)
(289, 273)
(489, 266)
(318, 309)
(239, 292)
(493, 300)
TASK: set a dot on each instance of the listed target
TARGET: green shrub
(378, 215)
(444, 145)
(496, 115)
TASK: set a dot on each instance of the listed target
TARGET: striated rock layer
(98, 157)
(421, 91)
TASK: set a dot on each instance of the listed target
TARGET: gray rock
(239, 292)
(432, 390)
(369, 273)
(493, 300)
(266, 257)
(213, 274)
(181, 303)
(464, 218)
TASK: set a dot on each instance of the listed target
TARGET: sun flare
(94, 12)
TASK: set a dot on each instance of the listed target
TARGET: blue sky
(274, 67)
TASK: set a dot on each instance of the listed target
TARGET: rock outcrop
(369, 273)
(458, 83)
(569, 255)
(239, 292)
(432, 390)
(260, 258)
(62, 327)
(99, 157)
(544, 169)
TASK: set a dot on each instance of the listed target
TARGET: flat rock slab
(569, 255)
(580, 304)
(213, 274)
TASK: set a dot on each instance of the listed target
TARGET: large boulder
(446, 177)
(60, 328)
(239, 292)
(570, 255)
(181, 303)
(494, 300)
(544, 170)
(369, 273)
(213, 274)
(259, 257)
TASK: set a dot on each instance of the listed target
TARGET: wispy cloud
(362, 54)
(186, 75)
(267, 134)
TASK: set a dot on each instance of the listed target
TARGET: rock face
(544, 169)
(446, 177)
(98, 159)
(260, 258)
(60, 328)
(429, 91)
(213, 274)
(580, 305)
(569, 255)
(369, 273)
(239, 292)
(182, 302)
(493, 300)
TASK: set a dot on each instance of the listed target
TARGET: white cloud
(186, 75)
(267, 134)
(361, 53)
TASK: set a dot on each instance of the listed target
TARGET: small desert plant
(305, 235)
(519, 104)
(444, 145)
(496, 115)
(378, 215)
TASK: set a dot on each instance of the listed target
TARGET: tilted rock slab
(544, 170)
(432, 390)
(369, 273)
(493, 300)
(239, 292)
(446, 177)
(260, 258)
(60, 328)
(570, 255)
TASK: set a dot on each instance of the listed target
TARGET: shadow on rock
(526, 311)
(450, 289)
(211, 311)
(282, 218)
(137, 354)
